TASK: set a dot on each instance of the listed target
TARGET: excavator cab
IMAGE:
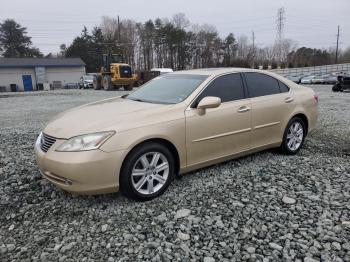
(109, 59)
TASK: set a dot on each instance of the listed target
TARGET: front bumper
(85, 172)
(88, 85)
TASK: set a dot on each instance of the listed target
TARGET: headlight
(85, 142)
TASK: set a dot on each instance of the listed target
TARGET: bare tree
(109, 27)
(287, 45)
(243, 47)
(180, 21)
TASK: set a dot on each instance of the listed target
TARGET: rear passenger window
(261, 84)
(283, 87)
(227, 87)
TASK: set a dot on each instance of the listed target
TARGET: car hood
(111, 114)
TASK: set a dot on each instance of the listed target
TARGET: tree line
(174, 43)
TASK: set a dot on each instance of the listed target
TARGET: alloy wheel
(295, 136)
(150, 173)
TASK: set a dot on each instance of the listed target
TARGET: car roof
(163, 70)
(219, 71)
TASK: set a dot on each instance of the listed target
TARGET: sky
(311, 23)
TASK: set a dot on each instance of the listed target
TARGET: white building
(28, 74)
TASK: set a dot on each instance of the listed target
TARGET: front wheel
(107, 83)
(147, 171)
(294, 136)
(96, 84)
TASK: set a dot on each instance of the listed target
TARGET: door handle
(289, 99)
(243, 109)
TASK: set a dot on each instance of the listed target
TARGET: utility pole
(253, 39)
(336, 50)
(118, 30)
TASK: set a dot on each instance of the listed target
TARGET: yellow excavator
(114, 74)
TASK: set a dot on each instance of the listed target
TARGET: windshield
(168, 88)
(88, 77)
(117, 59)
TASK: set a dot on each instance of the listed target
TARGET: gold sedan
(173, 124)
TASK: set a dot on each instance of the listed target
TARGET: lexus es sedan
(173, 124)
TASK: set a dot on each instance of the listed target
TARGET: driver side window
(227, 87)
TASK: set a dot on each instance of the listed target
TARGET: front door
(221, 131)
(27, 82)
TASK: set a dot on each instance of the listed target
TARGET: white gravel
(229, 212)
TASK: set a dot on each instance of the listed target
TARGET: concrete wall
(14, 76)
(64, 74)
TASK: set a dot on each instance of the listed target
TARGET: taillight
(316, 98)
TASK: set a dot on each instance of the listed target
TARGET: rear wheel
(336, 88)
(147, 171)
(107, 82)
(294, 136)
(96, 83)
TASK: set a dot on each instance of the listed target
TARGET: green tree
(81, 48)
(230, 46)
(63, 50)
(96, 49)
(14, 41)
(88, 47)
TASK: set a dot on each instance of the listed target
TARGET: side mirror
(208, 102)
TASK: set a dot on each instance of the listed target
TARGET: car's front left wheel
(147, 171)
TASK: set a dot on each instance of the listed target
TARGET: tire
(107, 83)
(288, 146)
(139, 187)
(96, 84)
(128, 87)
(336, 88)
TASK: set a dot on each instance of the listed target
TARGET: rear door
(220, 131)
(271, 102)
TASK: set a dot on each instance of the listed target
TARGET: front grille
(125, 72)
(46, 142)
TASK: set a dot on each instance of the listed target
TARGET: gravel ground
(264, 207)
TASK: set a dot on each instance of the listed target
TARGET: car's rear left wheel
(147, 171)
(294, 136)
